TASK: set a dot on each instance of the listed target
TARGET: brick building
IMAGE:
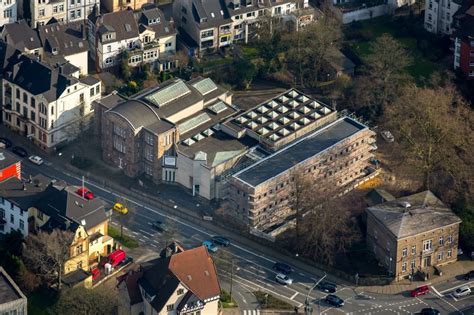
(412, 234)
(262, 195)
(464, 39)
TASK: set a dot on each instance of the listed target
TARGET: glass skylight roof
(193, 123)
(205, 86)
(217, 108)
(168, 94)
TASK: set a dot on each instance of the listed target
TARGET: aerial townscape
(236, 157)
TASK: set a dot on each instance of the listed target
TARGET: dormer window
(203, 20)
(55, 50)
(153, 21)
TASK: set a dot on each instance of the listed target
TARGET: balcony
(150, 45)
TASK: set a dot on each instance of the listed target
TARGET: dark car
(469, 275)
(6, 142)
(327, 287)
(158, 225)
(221, 240)
(429, 311)
(334, 300)
(282, 267)
(20, 151)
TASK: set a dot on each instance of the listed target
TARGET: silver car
(462, 291)
(283, 279)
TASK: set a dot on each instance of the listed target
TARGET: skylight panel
(168, 94)
(205, 86)
(218, 107)
(193, 123)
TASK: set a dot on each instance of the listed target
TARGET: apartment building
(9, 8)
(12, 300)
(464, 39)
(413, 233)
(48, 105)
(439, 15)
(183, 283)
(215, 24)
(79, 10)
(42, 11)
(118, 5)
(146, 36)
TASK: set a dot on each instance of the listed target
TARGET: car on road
(158, 225)
(221, 240)
(36, 160)
(469, 275)
(334, 300)
(85, 193)
(120, 208)
(7, 142)
(462, 291)
(20, 151)
(429, 311)
(424, 289)
(210, 246)
(283, 279)
(327, 287)
(282, 267)
(387, 136)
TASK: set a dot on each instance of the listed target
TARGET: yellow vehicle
(120, 208)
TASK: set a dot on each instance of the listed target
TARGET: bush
(125, 240)
(226, 301)
(81, 162)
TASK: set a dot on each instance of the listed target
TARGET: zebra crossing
(251, 312)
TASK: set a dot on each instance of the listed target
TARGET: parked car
(221, 240)
(120, 208)
(424, 289)
(469, 275)
(462, 291)
(283, 279)
(334, 300)
(429, 311)
(85, 193)
(282, 267)
(387, 136)
(158, 225)
(327, 287)
(115, 258)
(35, 160)
(7, 142)
(210, 246)
(20, 151)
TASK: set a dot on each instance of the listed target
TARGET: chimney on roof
(171, 22)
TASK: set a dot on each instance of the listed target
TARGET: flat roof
(7, 159)
(299, 151)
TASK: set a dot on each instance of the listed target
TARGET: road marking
(135, 233)
(154, 245)
(242, 297)
(146, 232)
(436, 291)
(293, 296)
(445, 301)
(458, 286)
(301, 274)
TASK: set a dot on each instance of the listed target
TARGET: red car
(420, 291)
(85, 193)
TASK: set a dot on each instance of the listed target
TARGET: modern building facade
(464, 39)
(12, 300)
(413, 233)
(439, 15)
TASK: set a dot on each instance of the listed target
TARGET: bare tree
(46, 254)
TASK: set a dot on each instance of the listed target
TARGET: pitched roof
(121, 22)
(414, 214)
(20, 35)
(210, 13)
(66, 39)
(196, 270)
(153, 18)
(22, 194)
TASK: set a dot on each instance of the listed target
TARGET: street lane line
(436, 291)
(445, 301)
(146, 232)
(242, 297)
(293, 296)
(458, 286)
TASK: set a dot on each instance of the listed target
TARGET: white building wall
(79, 60)
(439, 16)
(78, 10)
(8, 12)
(111, 51)
(43, 10)
(15, 218)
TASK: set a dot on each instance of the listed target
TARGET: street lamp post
(307, 308)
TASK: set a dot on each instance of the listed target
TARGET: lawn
(125, 240)
(268, 301)
(371, 29)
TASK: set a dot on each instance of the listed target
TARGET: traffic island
(123, 239)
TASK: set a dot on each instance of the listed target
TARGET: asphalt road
(253, 270)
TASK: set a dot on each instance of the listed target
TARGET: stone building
(413, 233)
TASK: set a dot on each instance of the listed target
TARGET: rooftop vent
(405, 204)
(190, 278)
(83, 222)
(206, 273)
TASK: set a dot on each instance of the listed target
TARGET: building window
(32, 102)
(450, 239)
(79, 249)
(8, 13)
(25, 98)
(440, 256)
(405, 252)
(22, 224)
(404, 267)
(91, 91)
(427, 245)
(119, 145)
(170, 307)
(55, 9)
(149, 138)
(450, 253)
(149, 153)
(413, 250)
(119, 131)
(12, 219)
(168, 45)
(180, 291)
(441, 240)
(61, 8)
(41, 12)
(148, 169)
(412, 265)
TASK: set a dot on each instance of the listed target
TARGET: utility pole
(308, 310)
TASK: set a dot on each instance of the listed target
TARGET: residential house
(9, 8)
(12, 300)
(49, 105)
(464, 39)
(42, 11)
(413, 233)
(65, 43)
(22, 37)
(146, 37)
(439, 15)
(183, 283)
(118, 5)
(16, 198)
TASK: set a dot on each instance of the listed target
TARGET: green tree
(125, 70)
(244, 72)
(80, 300)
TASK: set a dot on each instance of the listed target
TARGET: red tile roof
(195, 269)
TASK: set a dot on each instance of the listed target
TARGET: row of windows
(428, 245)
(440, 257)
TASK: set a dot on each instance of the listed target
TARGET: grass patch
(41, 301)
(250, 52)
(268, 301)
(125, 240)
(226, 301)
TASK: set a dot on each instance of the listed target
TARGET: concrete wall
(364, 14)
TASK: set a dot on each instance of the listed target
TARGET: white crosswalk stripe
(251, 312)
